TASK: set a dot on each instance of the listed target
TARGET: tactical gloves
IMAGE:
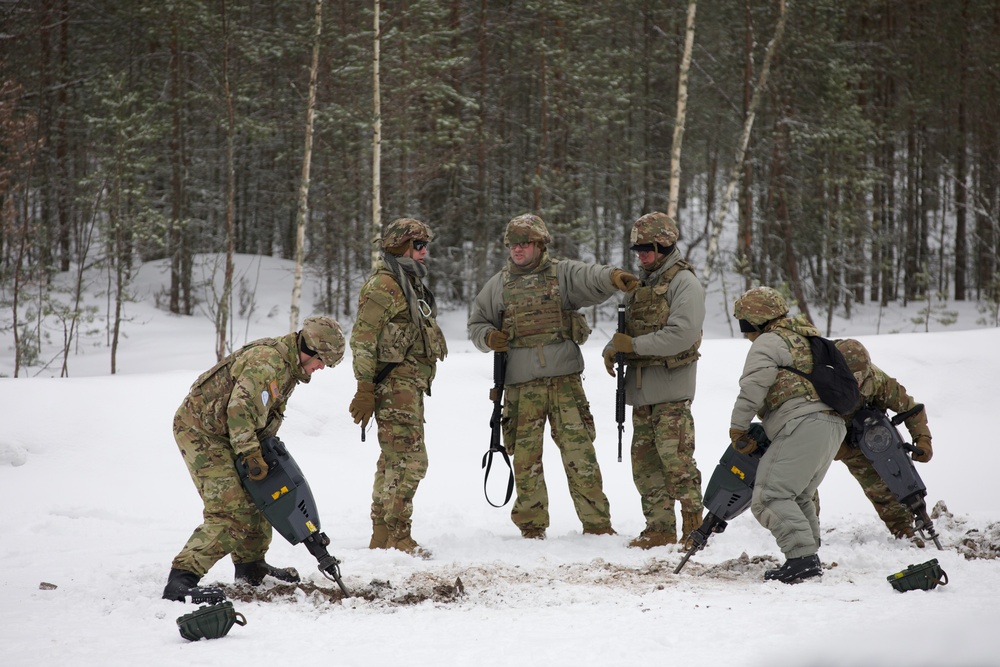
(622, 343)
(256, 466)
(742, 442)
(923, 443)
(624, 280)
(609, 360)
(497, 340)
(363, 405)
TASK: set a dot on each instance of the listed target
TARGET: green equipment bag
(924, 577)
(210, 621)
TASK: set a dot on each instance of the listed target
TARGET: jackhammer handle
(903, 416)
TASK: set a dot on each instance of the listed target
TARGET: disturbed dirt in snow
(493, 583)
(452, 584)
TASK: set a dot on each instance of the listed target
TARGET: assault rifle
(496, 435)
(876, 435)
(620, 393)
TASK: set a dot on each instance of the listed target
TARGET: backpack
(831, 377)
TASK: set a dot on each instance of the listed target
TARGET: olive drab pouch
(579, 329)
(210, 621)
(924, 577)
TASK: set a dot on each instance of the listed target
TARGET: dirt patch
(974, 543)
(410, 592)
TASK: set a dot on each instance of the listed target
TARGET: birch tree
(682, 96)
(303, 208)
(734, 174)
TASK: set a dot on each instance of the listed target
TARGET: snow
(98, 501)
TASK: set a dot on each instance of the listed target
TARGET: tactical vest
(533, 313)
(648, 311)
(789, 385)
(213, 384)
(402, 337)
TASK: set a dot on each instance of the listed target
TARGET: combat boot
(380, 536)
(253, 573)
(182, 586)
(533, 533)
(795, 570)
(690, 522)
(650, 538)
(606, 530)
(407, 544)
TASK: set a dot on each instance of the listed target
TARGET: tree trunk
(303, 211)
(376, 231)
(682, 96)
(222, 313)
(713, 243)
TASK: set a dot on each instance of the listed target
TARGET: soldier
(396, 344)
(542, 331)
(664, 317)
(880, 391)
(804, 431)
(229, 410)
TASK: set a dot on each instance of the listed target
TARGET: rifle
(496, 436)
(620, 393)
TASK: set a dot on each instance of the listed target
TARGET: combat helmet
(857, 357)
(322, 336)
(654, 229)
(526, 228)
(402, 231)
(758, 306)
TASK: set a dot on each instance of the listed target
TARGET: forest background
(166, 129)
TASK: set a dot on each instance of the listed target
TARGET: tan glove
(363, 405)
(622, 343)
(256, 466)
(498, 341)
(923, 443)
(624, 280)
(742, 442)
(609, 361)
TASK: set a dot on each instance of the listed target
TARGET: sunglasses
(420, 245)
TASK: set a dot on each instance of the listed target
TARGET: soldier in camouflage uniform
(804, 432)
(228, 411)
(541, 331)
(664, 318)
(396, 344)
(882, 392)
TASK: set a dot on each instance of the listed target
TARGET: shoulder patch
(273, 387)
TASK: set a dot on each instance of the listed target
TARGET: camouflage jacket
(578, 285)
(773, 394)
(243, 397)
(665, 317)
(881, 391)
(385, 331)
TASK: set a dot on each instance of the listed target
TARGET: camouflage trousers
(663, 466)
(896, 517)
(562, 401)
(399, 413)
(231, 523)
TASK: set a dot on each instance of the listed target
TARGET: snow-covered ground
(97, 502)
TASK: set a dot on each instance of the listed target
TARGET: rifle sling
(488, 464)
